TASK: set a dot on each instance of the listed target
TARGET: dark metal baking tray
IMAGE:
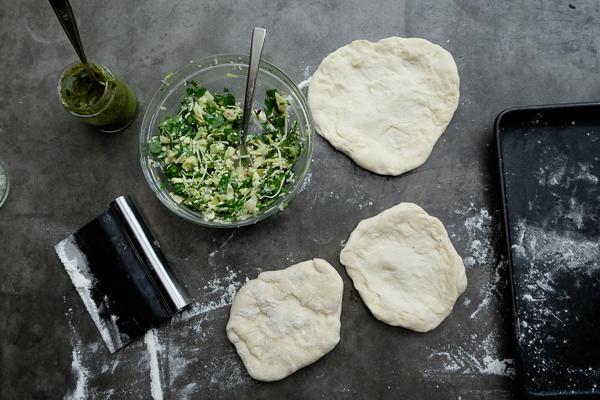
(549, 158)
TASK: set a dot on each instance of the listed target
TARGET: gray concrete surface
(509, 53)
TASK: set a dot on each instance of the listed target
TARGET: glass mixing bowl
(216, 73)
(4, 182)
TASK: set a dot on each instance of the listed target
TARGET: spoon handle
(256, 48)
(66, 17)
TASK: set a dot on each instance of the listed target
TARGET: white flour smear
(155, 381)
(307, 78)
(76, 265)
(79, 371)
(462, 361)
(477, 352)
(484, 233)
(472, 357)
(304, 83)
(306, 182)
(91, 361)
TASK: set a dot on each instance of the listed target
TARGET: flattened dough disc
(405, 268)
(285, 320)
(385, 104)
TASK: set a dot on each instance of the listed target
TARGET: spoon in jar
(256, 48)
(66, 17)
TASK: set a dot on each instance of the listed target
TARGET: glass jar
(110, 111)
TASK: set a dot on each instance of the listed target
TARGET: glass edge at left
(6, 173)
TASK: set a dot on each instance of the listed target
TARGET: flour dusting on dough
(287, 319)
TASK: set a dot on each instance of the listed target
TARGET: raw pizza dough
(385, 104)
(405, 268)
(285, 320)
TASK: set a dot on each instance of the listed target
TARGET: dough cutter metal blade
(121, 275)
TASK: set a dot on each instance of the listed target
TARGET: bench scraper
(119, 271)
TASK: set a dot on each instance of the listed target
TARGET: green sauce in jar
(110, 110)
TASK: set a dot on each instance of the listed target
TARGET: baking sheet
(550, 171)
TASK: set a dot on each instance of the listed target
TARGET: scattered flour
(153, 347)
(483, 237)
(176, 357)
(555, 253)
(218, 293)
(563, 173)
(226, 373)
(472, 358)
(180, 358)
(174, 361)
(307, 78)
(478, 352)
(367, 204)
(462, 361)
(81, 373)
(78, 369)
(496, 367)
(557, 269)
(306, 182)
(304, 83)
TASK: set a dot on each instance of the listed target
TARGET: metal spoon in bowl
(256, 48)
(66, 17)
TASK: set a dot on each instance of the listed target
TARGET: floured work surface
(551, 168)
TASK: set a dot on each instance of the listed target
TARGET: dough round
(285, 320)
(385, 104)
(405, 268)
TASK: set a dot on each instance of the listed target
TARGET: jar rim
(103, 102)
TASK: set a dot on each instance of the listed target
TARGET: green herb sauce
(110, 110)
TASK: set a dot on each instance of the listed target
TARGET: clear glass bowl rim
(4, 195)
(149, 120)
